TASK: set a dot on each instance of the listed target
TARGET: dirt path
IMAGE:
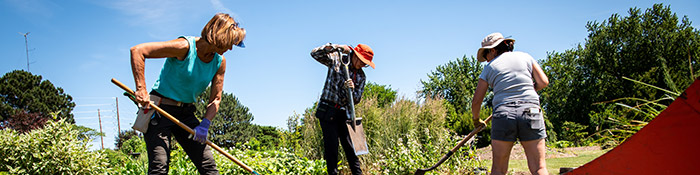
(519, 154)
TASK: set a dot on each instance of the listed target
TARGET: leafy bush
(120, 163)
(24, 121)
(263, 162)
(55, 149)
(134, 145)
(574, 131)
(123, 137)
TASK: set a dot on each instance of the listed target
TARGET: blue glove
(200, 132)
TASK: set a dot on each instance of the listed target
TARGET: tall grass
(401, 137)
(624, 117)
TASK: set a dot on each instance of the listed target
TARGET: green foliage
(401, 138)
(304, 136)
(124, 136)
(263, 162)
(652, 47)
(135, 144)
(454, 82)
(232, 124)
(54, 149)
(384, 94)
(620, 121)
(22, 91)
(23, 122)
(121, 163)
(267, 137)
(576, 132)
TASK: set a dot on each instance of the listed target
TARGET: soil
(519, 154)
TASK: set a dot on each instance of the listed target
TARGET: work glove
(478, 122)
(201, 131)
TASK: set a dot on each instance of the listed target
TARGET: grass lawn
(518, 166)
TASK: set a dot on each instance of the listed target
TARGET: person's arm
(173, 48)
(320, 54)
(481, 88)
(217, 86)
(540, 78)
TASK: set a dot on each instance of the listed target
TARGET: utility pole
(119, 128)
(101, 133)
(26, 47)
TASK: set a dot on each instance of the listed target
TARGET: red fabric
(669, 144)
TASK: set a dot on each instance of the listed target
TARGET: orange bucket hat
(365, 53)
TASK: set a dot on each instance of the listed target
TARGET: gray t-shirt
(510, 76)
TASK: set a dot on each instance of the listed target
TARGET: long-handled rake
(188, 129)
(453, 150)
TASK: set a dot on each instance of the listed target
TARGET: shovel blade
(421, 171)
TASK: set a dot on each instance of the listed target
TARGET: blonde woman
(192, 63)
(515, 78)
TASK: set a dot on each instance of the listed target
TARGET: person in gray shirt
(515, 78)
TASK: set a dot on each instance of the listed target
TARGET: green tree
(268, 137)
(385, 95)
(22, 91)
(455, 82)
(648, 47)
(232, 123)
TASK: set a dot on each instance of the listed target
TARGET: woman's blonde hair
(222, 31)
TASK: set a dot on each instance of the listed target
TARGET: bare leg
(501, 154)
(535, 152)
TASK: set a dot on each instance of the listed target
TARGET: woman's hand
(143, 98)
(349, 84)
(478, 122)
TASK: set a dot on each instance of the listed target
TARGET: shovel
(188, 129)
(355, 129)
(347, 77)
(459, 145)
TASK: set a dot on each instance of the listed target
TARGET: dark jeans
(333, 126)
(158, 139)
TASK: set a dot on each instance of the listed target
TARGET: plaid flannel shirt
(334, 88)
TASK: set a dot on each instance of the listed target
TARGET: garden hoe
(188, 129)
(459, 145)
(355, 130)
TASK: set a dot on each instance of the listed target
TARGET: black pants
(158, 139)
(333, 125)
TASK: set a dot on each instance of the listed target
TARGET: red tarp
(669, 144)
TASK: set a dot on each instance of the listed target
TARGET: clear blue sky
(80, 45)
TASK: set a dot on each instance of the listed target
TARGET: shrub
(24, 121)
(123, 137)
(574, 132)
(134, 145)
(55, 149)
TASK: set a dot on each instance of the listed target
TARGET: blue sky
(80, 45)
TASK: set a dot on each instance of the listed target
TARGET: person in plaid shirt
(332, 107)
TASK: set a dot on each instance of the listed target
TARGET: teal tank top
(185, 80)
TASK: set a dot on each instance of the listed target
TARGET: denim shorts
(518, 120)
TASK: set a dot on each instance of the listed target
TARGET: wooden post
(101, 137)
(119, 128)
